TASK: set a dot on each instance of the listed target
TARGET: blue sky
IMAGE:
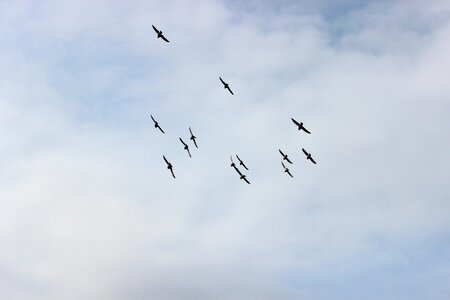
(89, 211)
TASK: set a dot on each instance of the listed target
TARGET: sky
(88, 209)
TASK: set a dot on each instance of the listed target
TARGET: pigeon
(234, 165)
(286, 170)
(285, 157)
(193, 137)
(241, 162)
(308, 156)
(186, 147)
(242, 176)
(160, 35)
(300, 126)
(226, 86)
(156, 124)
(169, 166)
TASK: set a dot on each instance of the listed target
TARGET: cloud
(88, 209)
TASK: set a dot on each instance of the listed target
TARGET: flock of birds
(233, 164)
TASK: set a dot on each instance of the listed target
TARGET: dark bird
(300, 126)
(160, 35)
(285, 157)
(169, 166)
(156, 124)
(286, 170)
(308, 156)
(242, 176)
(234, 165)
(226, 86)
(186, 147)
(193, 137)
(241, 162)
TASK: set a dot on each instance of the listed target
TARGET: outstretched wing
(240, 161)
(312, 160)
(237, 170)
(195, 143)
(153, 118)
(244, 166)
(189, 152)
(190, 130)
(182, 142)
(304, 151)
(165, 159)
(171, 171)
(289, 173)
(164, 38)
(306, 130)
(283, 165)
(228, 88)
(295, 122)
(161, 129)
(288, 160)
(223, 82)
(245, 178)
(156, 30)
(281, 152)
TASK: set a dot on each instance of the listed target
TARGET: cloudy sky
(88, 209)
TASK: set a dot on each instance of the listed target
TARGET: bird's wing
(281, 152)
(195, 143)
(223, 82)
(154, 28)
(171, 171)
(237, 170)
(244, 166)
(312, 160)
(283, 165)
(245, 178)
(230, 90)
(238, 158)
(290, 174)
(161, 129)
(164, 38)
(295, 122)
(304, 151)
(153, 118)
(306, 130)
(165, 159)
(288, 160)
(190, 130)
(189, 152)
(182, 142)
(231, 157)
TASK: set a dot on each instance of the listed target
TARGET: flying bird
(286, 170)
(157, 124)
(300, 126)
(186, 147)
(169, 166)
(285, 157)
(308, 156)
(242, 176)
(241, 162)
(193, 137)
(226, 86)
(160, 35)
(234, 165)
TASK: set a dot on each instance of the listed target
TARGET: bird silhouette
(308, 156)
(193, 137)
(286, 170)
(300, 126)
(169, 166)
(157, 124)
(160, 35)
(226, 86)
(186, 147)
(242, 176)
(241, 162)
(285, 157)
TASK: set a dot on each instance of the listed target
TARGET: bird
(242, 176)
(241, 162)
(186, 147)
(234, 165)
(226, 86)
(160, 35)
(286, 170)
(308, 156)
(300, 126)
(169, 166)
(157, 124)
(193, 137)
(285, 157)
